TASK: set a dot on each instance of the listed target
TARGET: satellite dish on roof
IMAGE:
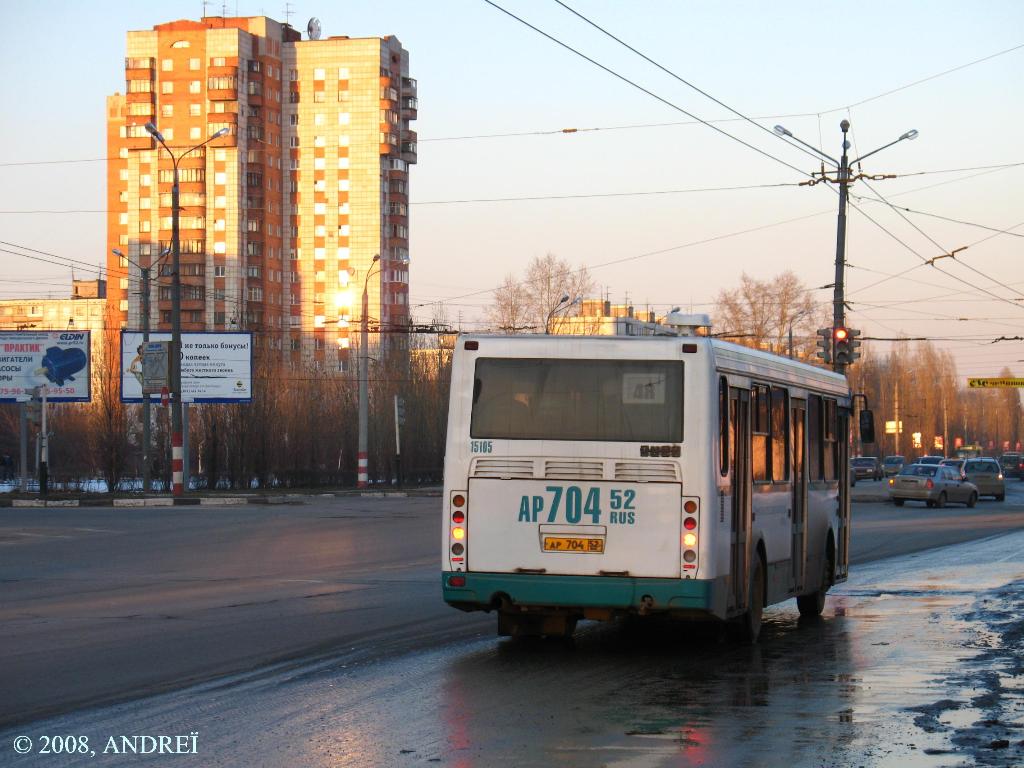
(313, 28)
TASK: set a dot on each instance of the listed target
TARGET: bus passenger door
(739, 438)
(843, 534)
(799, 524)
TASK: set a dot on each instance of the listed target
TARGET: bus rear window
(601, 400)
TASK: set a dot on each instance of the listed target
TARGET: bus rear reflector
(456, 581)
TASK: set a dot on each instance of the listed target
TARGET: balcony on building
(409, 146)
(408, 86)
(224, 88)
(139, 67)
(410, 105)
(136, 135)
(389, 144)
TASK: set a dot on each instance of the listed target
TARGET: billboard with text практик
(57, 359)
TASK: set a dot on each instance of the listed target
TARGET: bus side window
(780, 435)
(761, 450)
(814, 438)
(831, 443)
(723, 425)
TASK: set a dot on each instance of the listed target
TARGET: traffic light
(846, 345)
(400, 410)
(825, 344)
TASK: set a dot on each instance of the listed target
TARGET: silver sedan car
(988, 476)
(933, 484)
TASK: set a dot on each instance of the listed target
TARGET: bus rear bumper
(487, 591)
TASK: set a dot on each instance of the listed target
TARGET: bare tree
(760, 314)
(509, 312)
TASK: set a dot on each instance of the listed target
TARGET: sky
(662, 209)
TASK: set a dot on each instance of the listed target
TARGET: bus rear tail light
(690, 537)
(930, 484)
(456, 581)
(457, 530)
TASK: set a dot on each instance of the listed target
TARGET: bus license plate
(573, 544)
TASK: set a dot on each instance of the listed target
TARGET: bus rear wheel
(814, 603)
(751, 621)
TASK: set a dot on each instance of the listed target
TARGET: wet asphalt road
(381, 674)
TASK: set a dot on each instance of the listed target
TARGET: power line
(937, 216)
(945, 252)
(682, 80)
(644, 90)
(924, 79)
(604, 194)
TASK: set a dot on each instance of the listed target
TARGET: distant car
(988, 476)
(1012, 464)
(957, 464)
(892, 465)
(866, 468)
(930, 460)
(935, 485)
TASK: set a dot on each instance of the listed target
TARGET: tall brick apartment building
(281, 218)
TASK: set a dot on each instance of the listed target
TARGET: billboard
(215, 367)
(58, 359)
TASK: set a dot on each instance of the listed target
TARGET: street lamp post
(363, 476)
(563, 304)
(177, 465)
(145, 273)
(843, 179)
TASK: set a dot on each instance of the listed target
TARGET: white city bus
(592, 477)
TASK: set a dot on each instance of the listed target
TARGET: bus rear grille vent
(503, 468)
(647, 471)
(573, 470)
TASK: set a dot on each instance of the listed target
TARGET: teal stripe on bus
(578, 591)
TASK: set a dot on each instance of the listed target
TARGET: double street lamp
(363, 474)
(842, 166)
(176, 414)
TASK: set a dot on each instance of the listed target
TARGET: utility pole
(147, 481)
(896, 415)
(362, 457)
(44, 446)
(847, 354)
(177, 459)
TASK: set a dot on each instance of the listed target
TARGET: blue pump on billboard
(60, 365)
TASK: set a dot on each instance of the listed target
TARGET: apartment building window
(167, 65)
(167, 87)
(252, 270)
(218, 318)
(253, 179)
(195, 110)
(139, 86)
(194, 292)
(219, 294)
(168, 134)
(195, 133)
(185, 175)
(193, 270)
(194, 316)
(166, 110)
(293, 75)
(255, 293)
(344, 118)
(219, 270)
(193, 64)
(222, 83)
(195, 86)
(253, 65)
(252, 225)
(144, 226)
(218, 61)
